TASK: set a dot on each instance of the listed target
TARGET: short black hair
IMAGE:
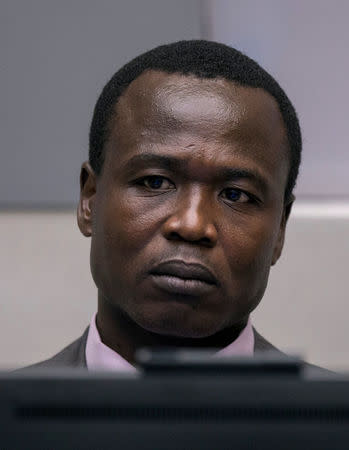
(204, 59)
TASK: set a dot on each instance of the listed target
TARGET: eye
(156, 182)
(236, 196)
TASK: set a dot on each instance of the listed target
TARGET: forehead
(159, 109)
(182, 98)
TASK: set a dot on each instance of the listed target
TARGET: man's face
(188, 213)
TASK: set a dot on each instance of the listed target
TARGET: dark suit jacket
(73, 356)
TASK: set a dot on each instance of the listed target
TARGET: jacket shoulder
(73, 356)
(262, 345)
(309, 370)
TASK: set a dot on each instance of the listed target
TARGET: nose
(192, 219)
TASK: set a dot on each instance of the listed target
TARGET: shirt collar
(100, 357)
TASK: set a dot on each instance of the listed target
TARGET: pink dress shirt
(100, 357)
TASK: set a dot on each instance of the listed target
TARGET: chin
(180, 326)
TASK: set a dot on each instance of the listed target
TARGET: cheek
(125, 225)
(123, 230)
(249, 246)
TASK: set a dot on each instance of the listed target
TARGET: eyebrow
(150, 159)
(172, 163)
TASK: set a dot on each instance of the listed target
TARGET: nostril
(174, 236)
(192, 228)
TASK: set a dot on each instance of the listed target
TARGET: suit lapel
(262, 345)
(80, 360)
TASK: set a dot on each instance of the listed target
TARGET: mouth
(179, 277)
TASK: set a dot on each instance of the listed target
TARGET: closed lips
(186, 271)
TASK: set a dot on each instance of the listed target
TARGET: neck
(124, 336)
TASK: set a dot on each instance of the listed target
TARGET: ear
(281, 238)
(88, 186)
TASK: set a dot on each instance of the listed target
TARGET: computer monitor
(165, 409)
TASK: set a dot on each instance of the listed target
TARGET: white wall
(48, 297)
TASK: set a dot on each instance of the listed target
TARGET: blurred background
(56, 58)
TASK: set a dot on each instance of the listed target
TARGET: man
(194, 154)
